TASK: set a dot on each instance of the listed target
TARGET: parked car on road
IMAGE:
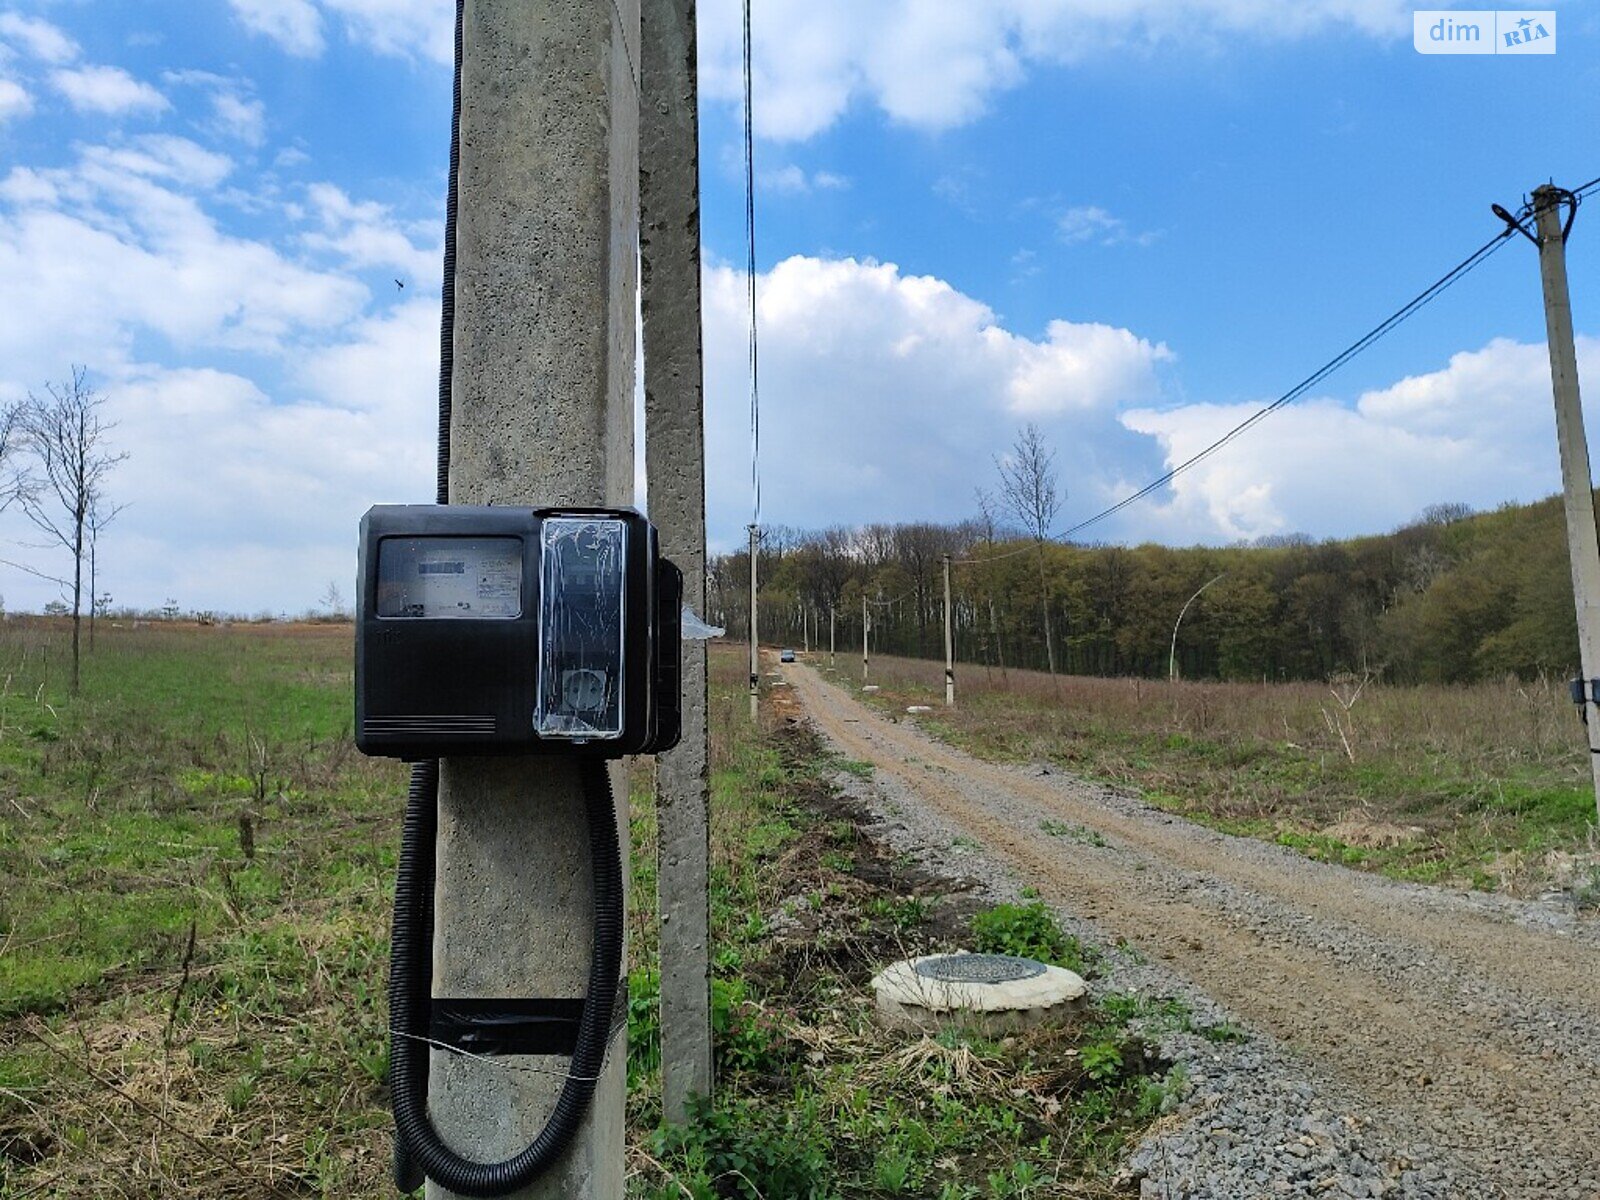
(785, 656)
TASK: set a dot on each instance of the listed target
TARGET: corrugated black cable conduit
(410, 999)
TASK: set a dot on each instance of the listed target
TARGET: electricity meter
(490, 630)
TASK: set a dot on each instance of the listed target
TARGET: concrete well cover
(938, 988)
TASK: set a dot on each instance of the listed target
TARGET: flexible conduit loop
(410, 995)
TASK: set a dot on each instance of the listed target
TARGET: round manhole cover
(979, 968)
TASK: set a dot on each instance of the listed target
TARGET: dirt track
(1469, 1021)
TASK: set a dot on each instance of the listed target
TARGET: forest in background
(1451, 597)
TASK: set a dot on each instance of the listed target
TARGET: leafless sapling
(1028, 487)
(66, 435)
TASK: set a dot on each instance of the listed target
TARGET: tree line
(1450, 597)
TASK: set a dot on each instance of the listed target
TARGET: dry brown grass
(1480, 783)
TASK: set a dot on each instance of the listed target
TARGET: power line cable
(1398, 317)
(750, 277)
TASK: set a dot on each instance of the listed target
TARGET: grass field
(1485, 784)
(195, 886)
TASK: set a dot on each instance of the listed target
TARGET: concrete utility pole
(755, 656)
(1583, 547)
(863, 639)
(543, 414)
(832, 658)
(949, 643)
(674, 405)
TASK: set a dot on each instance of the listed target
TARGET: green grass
(124, 828)
(203, 790)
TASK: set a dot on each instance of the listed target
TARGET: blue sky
(1130, 222)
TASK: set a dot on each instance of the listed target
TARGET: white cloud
(235, 111)
(158, 156)
(407, 28)
(107, 90)
(367, 235)
(240, 117)
(793, 180)
(936, 65)
(14, 100)
(1479, 430)
(876, 384)
(1091, 223)
(114, 248)
(296, 25)
(243, 501)
(402, 27)
(38, 38)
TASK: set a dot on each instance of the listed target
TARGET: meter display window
(581, 616)
(450, 578)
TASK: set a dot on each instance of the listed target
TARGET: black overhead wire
(1377, 332)
(750, 277)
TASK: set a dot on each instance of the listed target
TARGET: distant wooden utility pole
(832, 658)
(1583, 546)
(949, 643)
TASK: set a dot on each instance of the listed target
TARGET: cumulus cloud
(409, 28)
(1091, 223)
(240, 117)
(14, 100)
(793, 180)
(118, 246)
(1480, 430)
(241, 500)
(366, 234)
(38, 38)
(935, 66)
(885, 395)
(296, 25)
(109, 90)
(404, 27)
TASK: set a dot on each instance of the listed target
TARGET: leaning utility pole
(669, 255)
(1583, 546)
(542, 387)
(755, 656)
(949, 643)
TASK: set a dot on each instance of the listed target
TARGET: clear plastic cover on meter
(451, 578)
(582, 615)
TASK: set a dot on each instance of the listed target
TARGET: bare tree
(11, 439)
(1028, 487)
(333, 600)
(65, 432)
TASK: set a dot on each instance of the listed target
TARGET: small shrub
(1101, 1060)
(745, 1150)
(1027, 931)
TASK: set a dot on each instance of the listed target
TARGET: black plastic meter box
(485, 630)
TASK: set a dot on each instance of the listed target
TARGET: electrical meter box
(490, 630)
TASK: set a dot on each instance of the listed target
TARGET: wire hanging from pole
(750, 277)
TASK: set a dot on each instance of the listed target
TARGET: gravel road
(1407, 1040)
